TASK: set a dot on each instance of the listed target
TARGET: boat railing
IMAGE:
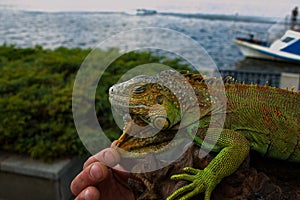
(288, 23)
(257, 37)
(266, 38)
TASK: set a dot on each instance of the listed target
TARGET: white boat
(286, 48)
(145, 12)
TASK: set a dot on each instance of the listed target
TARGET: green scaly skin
(261, 118)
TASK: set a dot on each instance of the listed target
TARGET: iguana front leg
(234, 149)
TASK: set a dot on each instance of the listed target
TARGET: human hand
(98, 182)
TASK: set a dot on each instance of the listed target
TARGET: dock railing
(275, 79)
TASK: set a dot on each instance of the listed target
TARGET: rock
(258, 179)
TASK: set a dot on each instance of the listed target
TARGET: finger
(113, 144)
(122, 175)
(90, 193)
(91, 175)
(89, 161)
(97, 157)
(108, 156)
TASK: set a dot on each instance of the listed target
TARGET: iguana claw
(201, 181)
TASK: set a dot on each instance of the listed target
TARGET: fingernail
(95, 172)
(113, 144)
(87, 195)
(109, 158)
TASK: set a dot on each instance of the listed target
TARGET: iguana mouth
(136, 143)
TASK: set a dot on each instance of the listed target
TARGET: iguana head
(155, 102)
(144, 98)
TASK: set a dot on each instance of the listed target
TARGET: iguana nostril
(111, 90)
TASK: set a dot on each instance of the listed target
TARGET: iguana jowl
(261, 118)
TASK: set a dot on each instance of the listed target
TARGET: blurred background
(43, 44)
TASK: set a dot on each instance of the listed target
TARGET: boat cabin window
(287, 39)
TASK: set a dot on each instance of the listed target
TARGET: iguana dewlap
(261, 118)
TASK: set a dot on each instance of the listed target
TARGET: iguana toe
(201, 180)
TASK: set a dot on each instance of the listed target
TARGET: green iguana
(261, 118)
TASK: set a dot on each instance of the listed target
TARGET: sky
(267, 8)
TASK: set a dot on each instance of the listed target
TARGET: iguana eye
(161, 123)
(139, 89)
(160, 99)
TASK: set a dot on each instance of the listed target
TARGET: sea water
(88, 29)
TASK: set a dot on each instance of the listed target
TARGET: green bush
(36, 98)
